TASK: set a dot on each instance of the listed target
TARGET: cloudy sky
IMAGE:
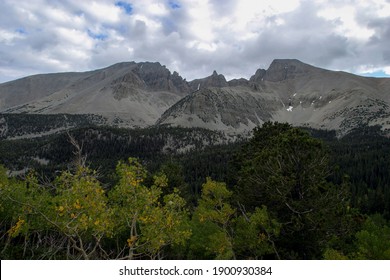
(193, 37)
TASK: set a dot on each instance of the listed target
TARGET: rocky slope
(288, 91)
(133, 94)
(143, 94)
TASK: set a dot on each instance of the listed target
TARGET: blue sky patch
(376, 74)
(127, 7)
(97, 36)
(21, 30)
(174, 5)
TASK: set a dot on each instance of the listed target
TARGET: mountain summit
(134, 94)
(215, 80)
(283, 69)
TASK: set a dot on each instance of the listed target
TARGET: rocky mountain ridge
(288, 91)
(143, 94)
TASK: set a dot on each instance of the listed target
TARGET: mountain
(134, 94)
(288, 91)
(215, 80)
(143, 94)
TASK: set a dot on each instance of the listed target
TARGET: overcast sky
(233, 37)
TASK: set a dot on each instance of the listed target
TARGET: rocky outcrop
(258, 76)
(238, 82)
(158, 78)
(215, 80)
(227, 108)
(284, 69)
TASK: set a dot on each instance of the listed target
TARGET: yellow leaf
(77, 204)
(14, 231)
(131, 240)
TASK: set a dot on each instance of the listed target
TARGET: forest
(284, 193)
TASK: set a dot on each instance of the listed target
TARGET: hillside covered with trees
(286, 193)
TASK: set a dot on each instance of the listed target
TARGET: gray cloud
(223, 9)
(193, 39)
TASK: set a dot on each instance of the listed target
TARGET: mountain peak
(258, 76)
(283, 69)
(215, 80)
(158, 77)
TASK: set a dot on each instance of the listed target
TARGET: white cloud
(347, 24)
(100, 11)
(9, 38)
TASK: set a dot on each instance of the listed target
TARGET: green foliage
(332, 254)
(370, 242)
(282, 164)
(150, 220)
(283, 194)
(365, 156)
(175, 176)
(81, 204)
(373, 241)
(80, 211)
(285, 169)
(212, 220)
(220, 232)
(213, 205)
(80, 216)
(255, 234)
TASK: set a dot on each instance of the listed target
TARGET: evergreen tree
(285, 169)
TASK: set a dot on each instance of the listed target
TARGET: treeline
(19, 125)
(104, 147)
(274, 200)
(363, 156)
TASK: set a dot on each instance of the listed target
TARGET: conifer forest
(175, 193)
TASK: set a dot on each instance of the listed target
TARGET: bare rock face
(283, 69)
(179, 84)
(32, 88)
(127, 85)
(226, 108)
(215, 80)
(238, 82)
(151, 77)
(258, 76)
(158, 78)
